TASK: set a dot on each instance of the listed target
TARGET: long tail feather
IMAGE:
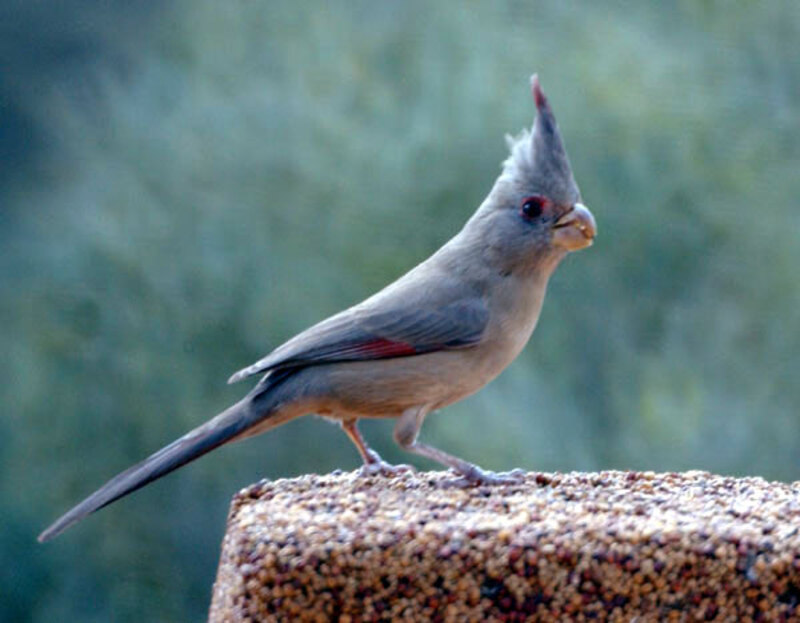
(223, 428)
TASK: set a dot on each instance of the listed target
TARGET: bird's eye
(532, 207)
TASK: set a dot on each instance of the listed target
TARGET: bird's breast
(515, 305)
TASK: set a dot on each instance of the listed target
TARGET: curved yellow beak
(576, 229)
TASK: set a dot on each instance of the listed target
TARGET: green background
(184, 185)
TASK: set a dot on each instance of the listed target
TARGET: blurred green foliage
(185, 187)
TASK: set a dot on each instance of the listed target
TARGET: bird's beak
(576, 229)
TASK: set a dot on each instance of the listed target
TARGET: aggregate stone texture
(607, 546)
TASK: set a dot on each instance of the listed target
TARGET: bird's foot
(382, 468)
(374, 465)
(475, 476)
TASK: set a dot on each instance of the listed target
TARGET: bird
(437, 334)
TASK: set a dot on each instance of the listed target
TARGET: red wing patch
(381, 347)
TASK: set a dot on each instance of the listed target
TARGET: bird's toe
(382, 468)
(479, 477)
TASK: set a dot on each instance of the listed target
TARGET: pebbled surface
(607, 546)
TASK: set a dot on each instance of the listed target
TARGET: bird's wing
(370, 332)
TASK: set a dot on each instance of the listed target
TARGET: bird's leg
(373, 463)
(405, 434)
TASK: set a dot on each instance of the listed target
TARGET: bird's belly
(388, 387)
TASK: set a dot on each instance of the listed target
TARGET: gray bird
(437, 334)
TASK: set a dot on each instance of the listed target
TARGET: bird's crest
(538, 155)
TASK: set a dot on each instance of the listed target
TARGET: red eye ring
(533, 206)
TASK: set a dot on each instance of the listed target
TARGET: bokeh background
(184, 185)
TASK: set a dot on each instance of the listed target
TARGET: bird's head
(535, 211)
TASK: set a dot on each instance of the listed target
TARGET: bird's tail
(231, 424)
